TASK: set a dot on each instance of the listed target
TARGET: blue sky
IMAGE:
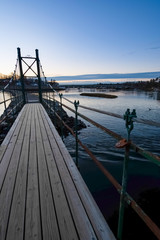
(82, 36)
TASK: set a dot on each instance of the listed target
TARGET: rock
(4, 124)
(10, 119)
(70, 121)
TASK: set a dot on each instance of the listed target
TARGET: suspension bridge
(42, 194)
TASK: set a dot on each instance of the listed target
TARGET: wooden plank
(65, 221)
(42, 194)
(16, 220)
(49, 219)
(2, 151)
(17, 121)
(99, 224)
(32, 218)
(8, 186)
(97, 220)
(6, 141)
(82, 222)
(10, 148)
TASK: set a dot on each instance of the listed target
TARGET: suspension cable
(12, 78)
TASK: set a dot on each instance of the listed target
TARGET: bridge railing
(50, 100)
(11, 98)
(17, 96)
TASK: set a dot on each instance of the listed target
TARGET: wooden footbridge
(42, 194)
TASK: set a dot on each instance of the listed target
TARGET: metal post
(16, 99)
(76, 104)
(39, 76)
(129, 125)
(60, 95)
(54, 107)
(123, 192)
(21, 74)
(4, 100)
(49, 102)
(52, 96)
(11, 97)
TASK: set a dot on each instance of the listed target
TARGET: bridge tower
(34, 60)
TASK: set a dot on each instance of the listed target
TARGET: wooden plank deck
(42, 194)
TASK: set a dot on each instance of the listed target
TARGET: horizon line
(108, 75)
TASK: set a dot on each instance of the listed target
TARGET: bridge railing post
(129, 125)
(60, 95)
(21, 75)
(17, 99)
(76, 104)
(50, 102)
(39, 76)
(4, 100)
(54, 108)
(11, 99)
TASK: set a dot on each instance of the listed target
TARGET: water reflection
(158, 95)
(103, 146)
(7, 96)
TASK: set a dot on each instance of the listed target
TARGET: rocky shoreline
(70, 121)
(7, 123)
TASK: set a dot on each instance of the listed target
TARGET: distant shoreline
(112, 75)
(106, 77)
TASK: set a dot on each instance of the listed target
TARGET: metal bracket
(129, 117)
(76, 104)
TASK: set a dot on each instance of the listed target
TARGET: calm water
(103, 146)
(142, 173)
(7, 96)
